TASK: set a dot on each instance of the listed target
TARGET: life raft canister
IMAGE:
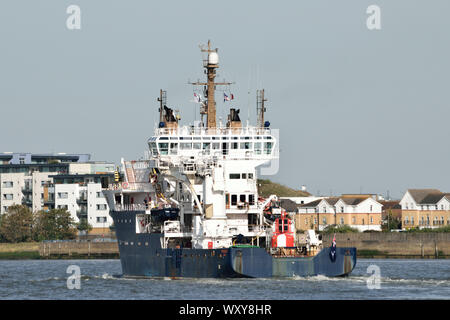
(125, 185)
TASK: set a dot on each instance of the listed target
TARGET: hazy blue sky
(358, 110)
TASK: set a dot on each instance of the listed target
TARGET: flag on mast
(333, 249)
(197, 98)
(227, 98)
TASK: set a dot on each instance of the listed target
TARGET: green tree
(391, 223)
(17, 224)
(55, 224)
(338, 229)
(84, 225)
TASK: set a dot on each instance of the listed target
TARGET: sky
(359, 110)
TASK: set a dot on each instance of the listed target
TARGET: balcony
(82, 213)
(27, 189)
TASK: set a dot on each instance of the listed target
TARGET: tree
(339, 229)
(55, 224)
(391, 223)
(84, 225)
(17, 224)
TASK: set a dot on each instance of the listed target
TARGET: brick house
(425, 208)
(359, 212)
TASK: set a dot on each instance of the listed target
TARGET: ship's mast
(210, 64)
(260, 108)
(162, 102)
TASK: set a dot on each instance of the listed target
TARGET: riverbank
(395, 245)
(59, 250)
(19, 251)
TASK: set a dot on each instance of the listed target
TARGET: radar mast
(211, 63)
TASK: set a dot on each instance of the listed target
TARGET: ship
(190, 207)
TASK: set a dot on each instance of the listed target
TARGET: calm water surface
(100, 279)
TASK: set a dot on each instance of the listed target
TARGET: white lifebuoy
(125, 185)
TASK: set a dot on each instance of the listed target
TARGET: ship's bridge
(252, 143)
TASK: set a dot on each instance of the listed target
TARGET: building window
(342, 220)
(371, 220)
(63, 195)
(371, 207)
(7, 196)
(325, 209)
(342, 209)
(101, 219)
(101, 207)
(234, 199)
(251, 199)
(354, 220)
(7, 184)
(412, 220)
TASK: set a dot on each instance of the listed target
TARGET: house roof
(314, 203)
(289, 205)
(333, 200)
(391, 204)
(353, 201)
(426, 196)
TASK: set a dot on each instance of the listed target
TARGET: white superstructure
(207, 172)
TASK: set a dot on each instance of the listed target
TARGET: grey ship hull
(141, 255)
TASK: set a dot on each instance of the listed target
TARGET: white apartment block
(43, 182)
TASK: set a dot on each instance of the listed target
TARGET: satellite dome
(213, 58)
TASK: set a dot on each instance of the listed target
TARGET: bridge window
(206, 147)
(185, 146)
(173, 148)
(163, 148)
(234, 199)
(257, 147)
(197, 145)
(246, 145)
(235, 175)
(267, 147)
(251, 199)
(216, 145)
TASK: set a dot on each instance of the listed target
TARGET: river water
(100, 279)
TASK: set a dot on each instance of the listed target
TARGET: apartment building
(47, 181)
(362, 212)
(425, 208)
